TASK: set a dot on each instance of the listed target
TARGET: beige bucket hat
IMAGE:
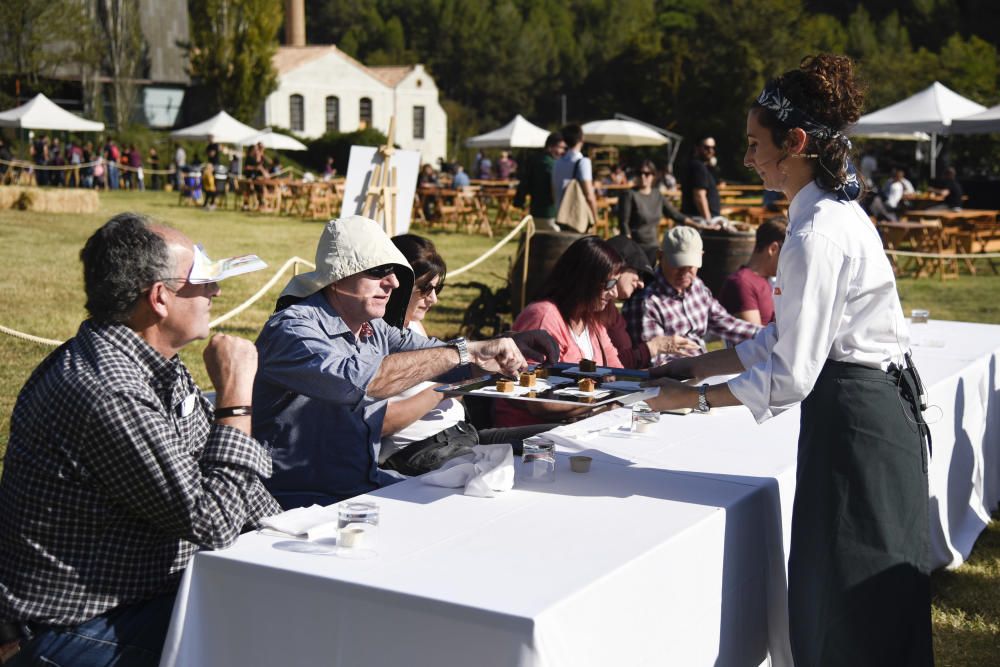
(682, 247)
(348, 246)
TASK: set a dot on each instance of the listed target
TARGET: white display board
(359, 174)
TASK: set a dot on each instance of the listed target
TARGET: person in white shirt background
(858, 571)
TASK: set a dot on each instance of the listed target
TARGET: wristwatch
(703, 405)
(462, 347)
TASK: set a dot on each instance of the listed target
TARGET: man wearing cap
(635, 274)
(678, 303)
(334, 352)
(118, 469)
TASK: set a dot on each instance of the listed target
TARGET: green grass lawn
(41, 284)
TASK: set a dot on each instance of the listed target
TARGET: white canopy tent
(518, 133)
(980, 123)
(41, 113)
(221, 128)
(273, 140)
(620, 132)
(932, 110)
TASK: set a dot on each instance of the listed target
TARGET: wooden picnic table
(928, 236)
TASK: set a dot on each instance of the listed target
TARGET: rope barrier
(29, 337)
(476, 262)
(23, 164)
(294, 261)
(944, 255)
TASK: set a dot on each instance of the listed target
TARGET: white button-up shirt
(835, 298)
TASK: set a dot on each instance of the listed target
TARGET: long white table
(671, 551)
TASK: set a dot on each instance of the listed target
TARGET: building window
(296, 113)
(332, 114)
(418, 122)
(365, 113)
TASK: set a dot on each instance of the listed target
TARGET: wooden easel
(380, 197)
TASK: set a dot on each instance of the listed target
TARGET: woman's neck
(797, 178)
(645, 189)
(577, 326)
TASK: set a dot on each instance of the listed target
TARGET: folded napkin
(489, 468)
(314, 522)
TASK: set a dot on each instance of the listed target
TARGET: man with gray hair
(678, 304)
(118, 468)
(334, 352)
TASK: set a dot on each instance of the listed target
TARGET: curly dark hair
(824, 88)
(578, 277)
(121, 260)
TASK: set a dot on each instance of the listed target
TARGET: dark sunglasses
(381, 272)
(647, 173)
(610, 283)
(427, 288)
(709, 148)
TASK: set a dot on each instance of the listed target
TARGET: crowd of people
(118, 467)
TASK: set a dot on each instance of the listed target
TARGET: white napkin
(312, 522)
(488, 469)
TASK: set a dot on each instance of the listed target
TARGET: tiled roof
(391, 75)
(289, 58)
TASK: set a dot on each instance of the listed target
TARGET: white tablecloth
(672, 550)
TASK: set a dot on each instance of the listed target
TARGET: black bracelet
(235, 411)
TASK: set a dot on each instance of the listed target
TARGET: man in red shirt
(747, 294)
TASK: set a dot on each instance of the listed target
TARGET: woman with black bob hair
(858, 570)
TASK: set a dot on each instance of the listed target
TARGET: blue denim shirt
(310, 405)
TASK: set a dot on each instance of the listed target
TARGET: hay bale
(50, 200)
(10, 195)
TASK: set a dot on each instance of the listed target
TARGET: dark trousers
(858, 571)
(458, 440)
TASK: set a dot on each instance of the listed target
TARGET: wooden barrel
(545, 250)
(725, 253)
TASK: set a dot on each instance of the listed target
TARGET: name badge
(187, 405)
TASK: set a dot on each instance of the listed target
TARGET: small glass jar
(644, 418)
(538, 460)
(357, 528)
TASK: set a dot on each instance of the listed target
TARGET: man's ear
(157, 299)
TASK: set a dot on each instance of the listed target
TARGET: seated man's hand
(673, 344)
(231, 363)
(497, 355)
(9, 650)
(536, 344)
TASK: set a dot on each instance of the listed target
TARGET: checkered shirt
(114, 476)
(659, 309)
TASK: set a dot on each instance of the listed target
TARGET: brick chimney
(295, 23)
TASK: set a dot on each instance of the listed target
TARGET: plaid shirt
(660, 310)
(114, 476)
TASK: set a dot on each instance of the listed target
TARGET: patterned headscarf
(772, 99)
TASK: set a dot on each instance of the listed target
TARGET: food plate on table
(549, 384)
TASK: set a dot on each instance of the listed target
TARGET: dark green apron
(858, 571)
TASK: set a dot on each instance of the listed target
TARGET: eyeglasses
(381, 272)
(427, 288)
(610, 284)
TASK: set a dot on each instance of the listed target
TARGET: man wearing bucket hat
(677, 302)
(334, 352)
(118, 469)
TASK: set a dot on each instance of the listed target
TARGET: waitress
(858, 570)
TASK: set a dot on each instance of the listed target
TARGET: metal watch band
(463, 350)
(235, 411)
(703, 405)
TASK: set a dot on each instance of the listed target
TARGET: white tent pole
(934, 153)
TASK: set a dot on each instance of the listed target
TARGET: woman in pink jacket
(582, 284)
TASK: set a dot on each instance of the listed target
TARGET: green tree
(970, 66)
(38, 38)
(232, 44)
(123, 49)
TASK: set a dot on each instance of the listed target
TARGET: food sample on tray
(506, 386)
(541, 372)
(588, 366)
(528, 379)
(586, 384)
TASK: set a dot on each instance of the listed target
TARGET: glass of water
(644, 418)
(357, 529)
(538, 461)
